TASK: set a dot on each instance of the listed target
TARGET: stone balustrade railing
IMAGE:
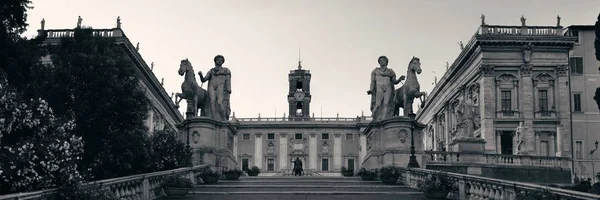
(476, 187)
(520, 30)
(496, 159)
(324, 120)
(141, 186)
(60, 33)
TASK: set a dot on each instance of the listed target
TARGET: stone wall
(519, 173)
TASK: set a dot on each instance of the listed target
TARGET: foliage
(37, 150)
(168, 152)
(438, 181)
(344, 169)
(234, 171)
(177, 181)
(93, 82)
(367, 172)
(13, 16)
(254, 169)
(535, 195)
(390, 171)
(208, 172)
(89, 191)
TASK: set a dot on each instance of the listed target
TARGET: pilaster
(258, 146)
(527, 107)
(337, 151)
(312, 151)
(563, 136)
(487, 109)
(283, 153)
(362, 149)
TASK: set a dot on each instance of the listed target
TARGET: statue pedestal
(388, 142)
(212, 142)
(190, 112)
(470, 145)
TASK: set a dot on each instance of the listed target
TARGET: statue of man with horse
(385, 101)
(214, 102)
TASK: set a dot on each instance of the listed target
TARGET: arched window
(299, 86)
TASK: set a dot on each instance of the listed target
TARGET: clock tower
(299, 94)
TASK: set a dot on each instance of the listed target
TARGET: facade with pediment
(512, 77)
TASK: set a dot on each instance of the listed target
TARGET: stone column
(337, 151)
(283, 151)
(487, 108)
(312, 151)
(363, 149)
(551, 144)
(526, 103)
(563, 136)
(538, 143)
(235, 148)
(258, 155)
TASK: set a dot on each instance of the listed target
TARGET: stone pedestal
(470, 145)
(388, 142)
(212, 142)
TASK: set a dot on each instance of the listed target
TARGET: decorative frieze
(486, 70)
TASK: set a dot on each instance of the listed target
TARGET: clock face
(299, 96)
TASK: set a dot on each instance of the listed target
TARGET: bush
(208, 172)
(90, 191)
(254, 171)
(177, 181)
(535, 195)
(37, 150)
(390, 171)
(437, 181)
(168, 152)
(367, 172)
(234, 171)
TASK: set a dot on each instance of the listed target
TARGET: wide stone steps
(306, 187)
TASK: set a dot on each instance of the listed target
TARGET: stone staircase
(302, 187)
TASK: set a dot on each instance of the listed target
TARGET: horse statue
(190, 89)
(410, 90)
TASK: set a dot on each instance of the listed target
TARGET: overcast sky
(340, 40)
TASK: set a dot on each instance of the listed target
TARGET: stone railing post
(145, 188)
(462, 189)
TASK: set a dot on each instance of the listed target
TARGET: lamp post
(412, 163)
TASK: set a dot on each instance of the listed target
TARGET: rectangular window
(270, 165)
(576, 65)
(298, 136)
(244, 164)
(271, 136)
(325, 136)
(574, 33)
(578, 149)
(351, 164)
(349, 136)
(577, 102)
(246, 136)
(506, 99)
(325, 164)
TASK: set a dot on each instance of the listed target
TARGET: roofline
(581, 27)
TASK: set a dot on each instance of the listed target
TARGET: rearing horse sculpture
(190, 89)
(405, 95)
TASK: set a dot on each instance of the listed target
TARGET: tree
(37, 150)
(93, 82)
(597, 41)
(168, 152)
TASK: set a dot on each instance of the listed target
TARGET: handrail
(139, 186)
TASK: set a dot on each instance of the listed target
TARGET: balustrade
(475, 187)
(60, 33)
(286, 119)
(496, 159)
(143, 186)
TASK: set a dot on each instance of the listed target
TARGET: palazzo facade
(514, 78)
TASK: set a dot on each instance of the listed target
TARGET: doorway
(506, 143)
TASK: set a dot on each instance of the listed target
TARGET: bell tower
(299, 94)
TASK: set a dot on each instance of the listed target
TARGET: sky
(339, 41)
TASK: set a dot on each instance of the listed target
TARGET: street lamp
(412, 163)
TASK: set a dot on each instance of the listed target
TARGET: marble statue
(219, 90)
(447, 66)
(79, 20)
(381, 90)
(482, 19)
(43, 22)
(465, 118)
(462, 46)
(520, 139)
(190, 89)
(137, 47)
(152, 66)
(119, 22)
(558, 20)
(523, 20)
(325, 147)
(162, 81)
(409, 91)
